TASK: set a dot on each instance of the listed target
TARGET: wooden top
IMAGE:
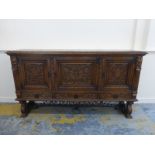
(75, 52)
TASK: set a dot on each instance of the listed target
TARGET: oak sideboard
(44, 75)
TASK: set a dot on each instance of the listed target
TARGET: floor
(82, 121)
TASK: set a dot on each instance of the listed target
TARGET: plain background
(114, 34)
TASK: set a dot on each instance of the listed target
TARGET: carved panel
(34, 73)
(117, 73)
(76, 74)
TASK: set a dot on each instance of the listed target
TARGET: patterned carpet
(70, 121)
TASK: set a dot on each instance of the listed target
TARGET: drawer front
(75, 96)
(116, 96)
(36, 95)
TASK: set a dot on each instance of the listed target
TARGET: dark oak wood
(24, 108)
(76, 75)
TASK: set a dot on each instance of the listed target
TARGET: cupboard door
(76, 73)
(35, 73)
(118, 73)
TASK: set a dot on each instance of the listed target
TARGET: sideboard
(44, 75)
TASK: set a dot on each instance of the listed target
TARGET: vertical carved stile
(98, 60)
(14, 62)
(138, 64)
(102, 73)
(136, 76)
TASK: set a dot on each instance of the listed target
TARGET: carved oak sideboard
(76, 76)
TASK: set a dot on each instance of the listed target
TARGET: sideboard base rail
(124, 107)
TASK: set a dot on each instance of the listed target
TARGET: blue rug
(84, 121)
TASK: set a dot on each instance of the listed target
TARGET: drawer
(36, 95)
(75, 96)
(115, 96)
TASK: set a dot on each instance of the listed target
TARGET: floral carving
(34, 73)
(76, 74)
(117, 73)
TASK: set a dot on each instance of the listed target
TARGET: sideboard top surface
(76, 52)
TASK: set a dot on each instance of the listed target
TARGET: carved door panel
(118, 73)
(35, 73)
(76, 73)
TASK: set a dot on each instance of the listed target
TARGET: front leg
(24, 108)
(128, 109)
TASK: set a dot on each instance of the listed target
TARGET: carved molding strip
(84, 103)
(14, 63)
(138, 63)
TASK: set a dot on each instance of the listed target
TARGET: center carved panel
(117, 73)
(34, 74)
(76, 74)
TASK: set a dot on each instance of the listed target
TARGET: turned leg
(24, 108)
(128, 109)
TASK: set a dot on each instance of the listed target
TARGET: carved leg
(24, 108)
(128, 109)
